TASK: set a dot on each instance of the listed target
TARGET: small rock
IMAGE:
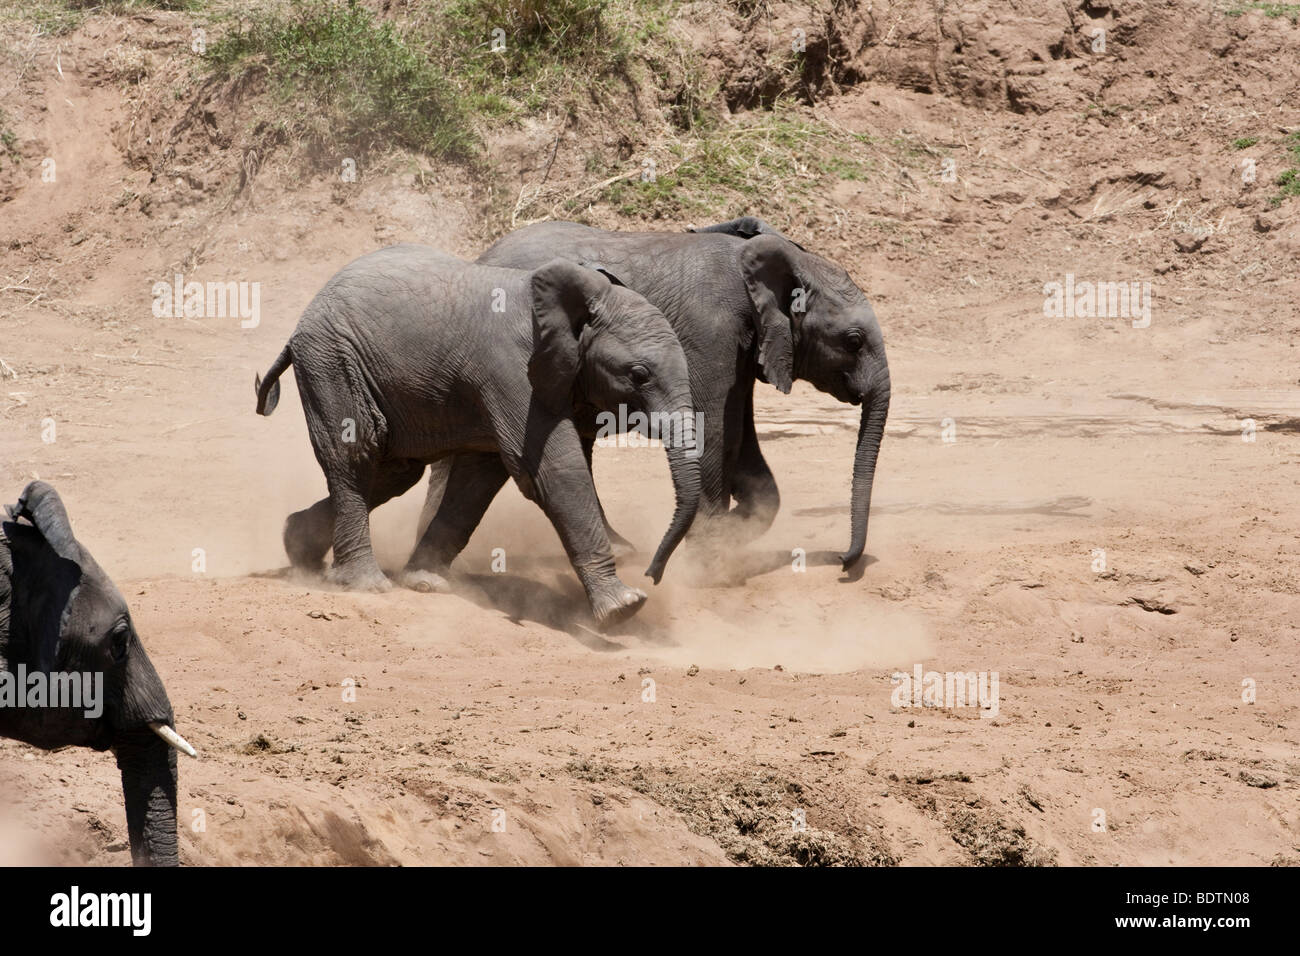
(1265, 222)
(692, 671)
(261, 743)
(1256, 780)
(1151, 604)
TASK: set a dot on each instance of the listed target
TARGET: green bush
(1289, 10)
(353, 84)
(776, 157)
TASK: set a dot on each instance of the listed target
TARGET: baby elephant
(408, 355)
(73, 672)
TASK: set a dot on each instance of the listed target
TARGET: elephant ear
(771, 278)
(564, 296)
(43, 580)
(41, 505)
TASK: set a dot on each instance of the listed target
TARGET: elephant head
(603, 346)
(61, 617)
(812, 322)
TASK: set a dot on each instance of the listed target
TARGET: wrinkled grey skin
(59, 612)
(729, 292)
(405, 342)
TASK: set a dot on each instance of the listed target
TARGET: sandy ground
(493, 726)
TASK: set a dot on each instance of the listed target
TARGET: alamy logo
(1098, 300)
(82, 691)
(72, 909)
(208, 300)
(633, 429)
(950, 690)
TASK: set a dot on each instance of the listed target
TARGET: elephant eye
(854, 339)
(639, 374)
(119, 639)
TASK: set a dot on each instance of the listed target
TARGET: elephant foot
(616, 604)
(305, 541)
(359, 577)
(426, 582)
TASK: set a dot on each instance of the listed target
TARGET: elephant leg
(354, 565)
(562, 486)
(752, 485)
(619, 544)
(347, 430)
(472, 481)
(438, 472)
(308, 535)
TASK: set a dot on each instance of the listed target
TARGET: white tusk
(173, 738)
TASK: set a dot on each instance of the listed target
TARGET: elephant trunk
(148, 766)
(147, 761)
(683, 449)
(875, 409)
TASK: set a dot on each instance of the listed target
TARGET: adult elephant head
(813, 323)
(62, 618)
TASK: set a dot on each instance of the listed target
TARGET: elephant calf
(408, 355)
(73, 672)
(747, 304)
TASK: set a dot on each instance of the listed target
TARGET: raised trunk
(684, 463)
(875, 409)
(148, 768)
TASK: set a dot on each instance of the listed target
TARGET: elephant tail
(268, 389)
